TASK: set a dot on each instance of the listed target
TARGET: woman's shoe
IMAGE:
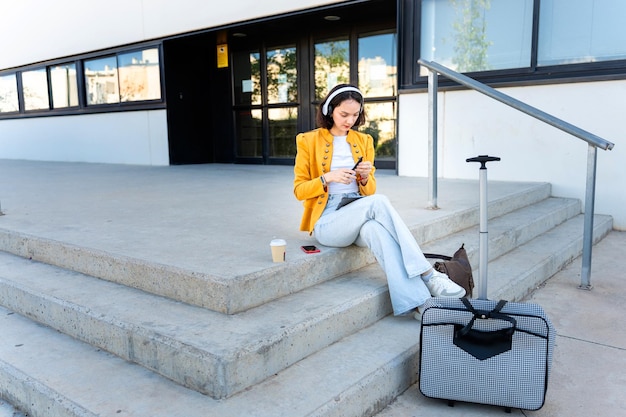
(440, 285)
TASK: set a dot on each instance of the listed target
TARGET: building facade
(163, 83)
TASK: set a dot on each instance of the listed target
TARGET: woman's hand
(346, 175)
(363, 171)
(341, 175)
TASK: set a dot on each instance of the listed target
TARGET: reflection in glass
(139, 75)
(282, 86)
(576, 31)
(64, 86)
(247, 77)
(377, 65)
(8, 94)
(381, 124)
(101, 81)
(35, 89)
(249, 133)
(283, 130)
(477, 35)
(332, 66)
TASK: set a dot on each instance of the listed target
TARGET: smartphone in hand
(357, 163)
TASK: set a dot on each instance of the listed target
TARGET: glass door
(374, 66)
(278, 85)
(248, 104)
(266, 103)
(378, 82)
(282, 100)
(332, 65)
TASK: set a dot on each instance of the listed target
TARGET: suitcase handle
(483, 159)
(485, 344)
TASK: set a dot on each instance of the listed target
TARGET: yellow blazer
(315, 152)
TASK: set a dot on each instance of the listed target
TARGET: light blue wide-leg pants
(373, 222)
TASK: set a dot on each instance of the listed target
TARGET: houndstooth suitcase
(489, 356)
(483, 351)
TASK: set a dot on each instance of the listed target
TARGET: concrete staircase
(85, 333)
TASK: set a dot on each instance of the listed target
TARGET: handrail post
(433, 82)
(590, 197)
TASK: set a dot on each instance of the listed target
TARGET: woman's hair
(339, 93)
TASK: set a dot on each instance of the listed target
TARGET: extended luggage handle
(484, 240)
(483, 159)
(485, 344)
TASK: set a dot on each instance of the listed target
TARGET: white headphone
(339, 91)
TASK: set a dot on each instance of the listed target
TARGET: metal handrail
(594, 142)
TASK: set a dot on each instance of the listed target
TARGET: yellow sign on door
(222, 56)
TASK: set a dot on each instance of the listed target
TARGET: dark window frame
(83, 107)
(409, 29)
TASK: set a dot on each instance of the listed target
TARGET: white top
(342, 158)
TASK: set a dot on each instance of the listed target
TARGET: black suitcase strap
(485, 314)
(485, 344)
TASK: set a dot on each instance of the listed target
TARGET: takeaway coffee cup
(279, 247)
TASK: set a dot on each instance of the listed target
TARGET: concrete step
(508, 230)
(514, 275)
(207, 351)
(71, 378)
(356, 376)
(238, 292)
(210, 352)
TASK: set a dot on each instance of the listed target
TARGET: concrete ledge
(232, 294)
(344, 379)
(521, 271)
(206, 351)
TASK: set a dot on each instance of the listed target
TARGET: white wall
(37, 30)
(137, 137)
(472, 124)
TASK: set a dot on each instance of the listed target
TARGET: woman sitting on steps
(327, 170)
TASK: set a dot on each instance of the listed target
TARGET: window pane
(332, 66)
(249, 130)
(101, 81)
(283, 130)
(282, 86)
(381, 124)
(8, 94)
(35, 88)
(377, 65)
(139, 75)
(247, 77)
(64, 86)
(574, 31)
(477, 35)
